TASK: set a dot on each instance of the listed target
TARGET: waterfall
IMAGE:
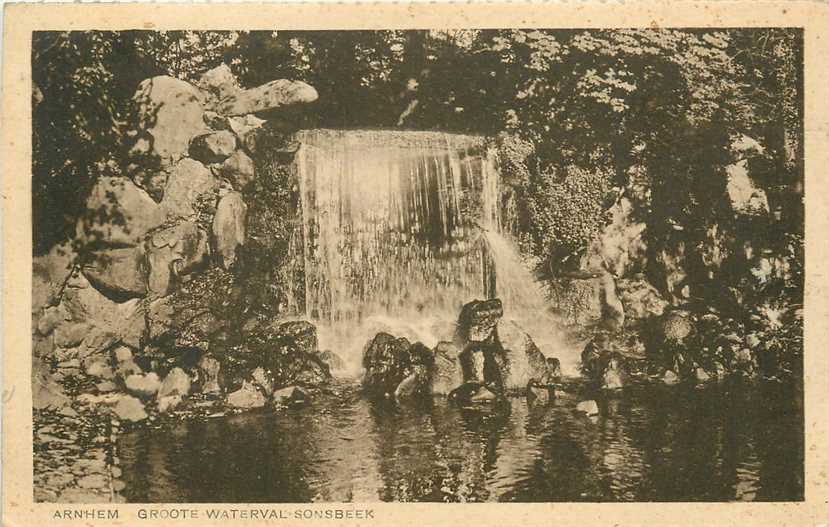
(400, 230)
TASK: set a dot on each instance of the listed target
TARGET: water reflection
(729, 442)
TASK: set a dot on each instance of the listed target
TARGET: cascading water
(400, 230)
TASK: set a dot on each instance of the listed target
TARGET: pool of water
(721, 442)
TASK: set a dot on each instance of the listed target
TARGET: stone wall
(107, 309)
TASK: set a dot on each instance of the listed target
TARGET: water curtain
(400, 230)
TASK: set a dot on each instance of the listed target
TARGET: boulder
(590, 407)
(49, 274)
(332, 360)
(151, 180)
(175, 251)
(386, 362)
(46, 392)
(169, 403)
(213, 147)
(118, 214)
(175, 383)
(540, 393)
(189, 188)
(144, 386)
(169, 114)
(129, 408)
(219, 83)
(289, 396)
(122, 354)
(118, 273)
(99, 368)
(238, 169)
(613, 312)
(248, 129)
(640, 299)
(413, 385)
(246, 397)
(268, 98)
(92, 322)
(229, 227)
(209, 374)
(613, 378)
(524, 361)
(747, 199)
(477, 321)
(447, 373)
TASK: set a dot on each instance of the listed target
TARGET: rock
(229, 227)
(118, 215)
(669, 377)
(473, 392)
(128, 408)
(386, 362)
(215, 121)
(483, 395)
(213, 147)
(594, 357)
(447, 373)
(219, 83)
(127, 368)
(70, 335)
(175, 383)
(118, 273)
(209, 374)
(46, 392)
(524, 360)
(248, 129)
(99, 367)
(143, 385)
(149, 179)
(332, 360)
(540, 393)
(169, 403)
(92, 481)
(613, 312)
(189, 188)
(122, 354)
(477, 321)
(590, 407)
(272, 96)
(640, 299)
(175, 251)
(49, 274)
(613, 378)
(288, 396)
(239, 169)
(169, 113)
(106, 387)
(747, 199)
(262, 380)
(246, 397)
(413, 385)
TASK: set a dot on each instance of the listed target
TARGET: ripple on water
(651, 444)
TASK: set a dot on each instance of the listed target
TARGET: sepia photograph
(417, 265)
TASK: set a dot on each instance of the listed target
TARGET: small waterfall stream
(400, 230)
